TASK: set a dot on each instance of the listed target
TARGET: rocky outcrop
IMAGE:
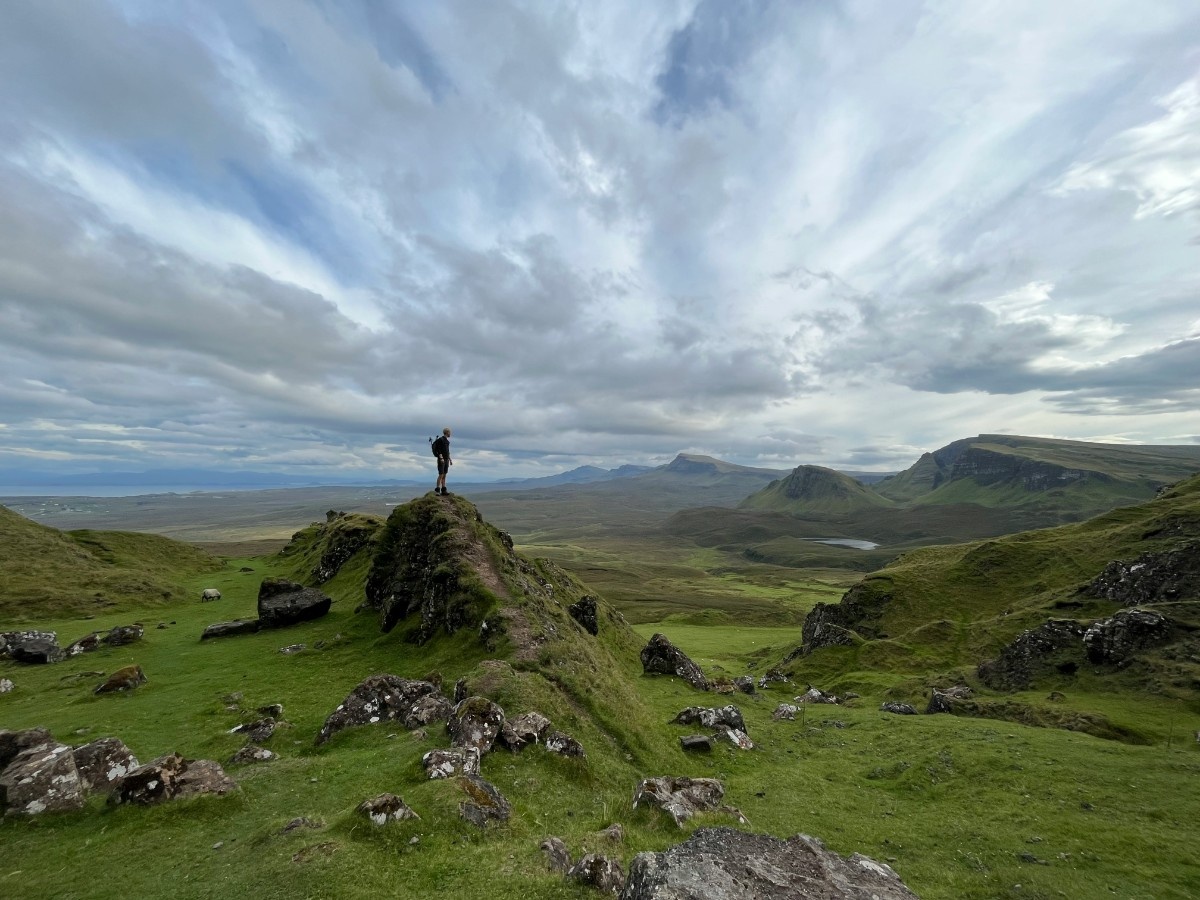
(14, 742)
(282, 602)
(679, 797)
(476, 722)
(41, 778)
(383, 698)
(785, 711)
(744, 683)
(816, 695)
(1054, 646)
(723, 717)
(1116, 640)
(858, 612)
(384, 809)
(661, 657)
(583, 611)
(124, 679)
(103, 764)
(344, 536)
(1151, 578)
(484, 803)
(726, 864)
(944, 701)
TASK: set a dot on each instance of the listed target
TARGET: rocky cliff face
(987, 468)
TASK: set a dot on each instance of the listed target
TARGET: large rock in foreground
(661, 657)
(42, 778)
(725, 864)
(172, 776)
(282, 602)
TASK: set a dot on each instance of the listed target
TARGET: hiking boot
(446, 493)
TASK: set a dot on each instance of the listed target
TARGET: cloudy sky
(303, 235)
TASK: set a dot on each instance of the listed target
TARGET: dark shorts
(443, 466)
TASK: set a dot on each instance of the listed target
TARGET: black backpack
(438, 445)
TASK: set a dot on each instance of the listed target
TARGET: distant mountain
(1068, 476)
(580, 475)
(815, 489)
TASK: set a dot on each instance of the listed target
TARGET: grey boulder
(282, 602)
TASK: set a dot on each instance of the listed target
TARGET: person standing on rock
(441, 449)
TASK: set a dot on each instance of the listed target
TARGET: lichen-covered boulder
(443, 763)
(124, 679)
(476, 722)
(13, 742)
(709, 717)
(679, 797)
(169, 777)
(736, 737)
(1153, 577)
(251, 753)
(899, 709)
(282, 602)
(435, 707)
(33, 647)
(563, 745)
(484, 803)
(229, 629)
(583, 611)
(600, 872)
(1116, 640)
(558, 858)
(379, 698)
(727, 864)
(943, 701)
(41, 778)
(816, 695)
(785, 711)
(527, 728)
(386, 808)
(661, 657)
(102, 764)
(744, 683)
(85, 644)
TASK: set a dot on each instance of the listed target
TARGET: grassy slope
(44, 572)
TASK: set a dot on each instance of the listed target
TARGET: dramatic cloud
(296, 235)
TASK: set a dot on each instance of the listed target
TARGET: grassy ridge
(45, 572)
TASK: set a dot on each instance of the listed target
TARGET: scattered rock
(1052, 646)
(772, 676)
(251, 753)
(85, 644)
(6, 685)
(475, 722)
(696, 743)
(41, 778)
(601, 872)
(378, 698)
(455, 761)
(256, 732)
(1114, 641)
(744, 683)
(121, 635)
(943, 701)
(527, 728)
(102, 764)
(282, 602)
(227, 629)
(427, 710)
(583, 611)
(563, 745)
(292, 648)
(125, 679)
(614, 833)
(785, 711)
(211, 593)
(386, 808)
(558, 859)
(274, 710)
(726, 864)
(723, 717)
(301, 822)
(13, 743)
(679, 797)
(735, 736)
(484, 803)
(900, 709)
(661, 657)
